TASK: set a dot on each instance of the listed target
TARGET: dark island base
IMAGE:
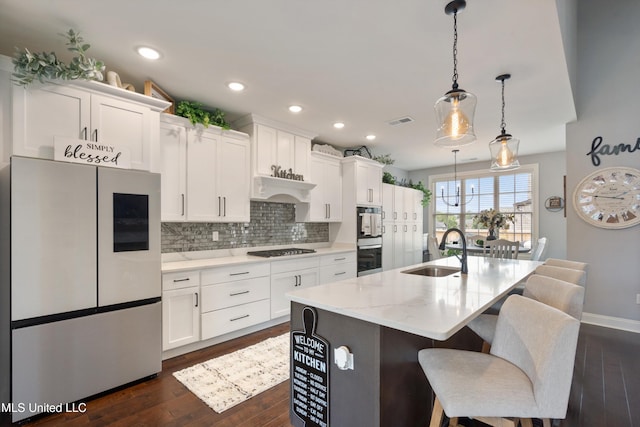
(387, 386)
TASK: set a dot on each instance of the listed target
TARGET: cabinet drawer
(220, 322)
(223, 295)
(337, 258)
(336, 272)
(235, 272)
(294, 264)
(180, 280)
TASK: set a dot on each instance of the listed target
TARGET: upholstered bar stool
(559, 294)
(527, 374)
(540, 249)
(576, 265)
(577, 277)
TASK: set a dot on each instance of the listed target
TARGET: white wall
(608, 89)
(551, 170)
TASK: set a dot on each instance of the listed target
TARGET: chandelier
(456, 197)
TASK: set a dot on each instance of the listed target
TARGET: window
(512, 192)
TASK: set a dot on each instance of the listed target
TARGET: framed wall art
(153, 90)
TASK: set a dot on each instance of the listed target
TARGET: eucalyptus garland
(29, 66)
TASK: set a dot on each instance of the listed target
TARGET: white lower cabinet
(234, 297)
(287, 276)
(334, 268)
(180, 309)
(198, 305)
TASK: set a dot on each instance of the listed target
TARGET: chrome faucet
(463, 258)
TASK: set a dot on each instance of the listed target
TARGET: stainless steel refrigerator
(80, 277)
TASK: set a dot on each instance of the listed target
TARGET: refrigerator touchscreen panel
(130, 222)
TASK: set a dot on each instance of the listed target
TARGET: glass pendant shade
(454, 112)
(504, 153)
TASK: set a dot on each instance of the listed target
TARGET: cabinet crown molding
(251, 118)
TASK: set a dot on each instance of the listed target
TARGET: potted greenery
(196, 114)
(43, 66)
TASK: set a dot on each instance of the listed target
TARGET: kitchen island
(379, 323)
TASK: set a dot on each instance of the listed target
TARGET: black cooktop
(281, 252)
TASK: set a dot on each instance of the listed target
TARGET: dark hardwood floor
(605, 391)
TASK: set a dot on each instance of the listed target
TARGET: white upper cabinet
(233, 178)
(173, 169)
(89, 111)
(275, 147)
(368, 181)
(326, 198)
(204, 204)
(278, 147)
(205, 173)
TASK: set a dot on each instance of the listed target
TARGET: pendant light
(456, 198)
(504, 149)
(455, 110)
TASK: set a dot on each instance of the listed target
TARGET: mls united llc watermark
(40, 408)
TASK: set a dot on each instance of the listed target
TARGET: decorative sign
(310, 373)
(599, 149)
(90, 152)
(554, 203)
(278, 172)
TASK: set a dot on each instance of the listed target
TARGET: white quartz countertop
(199, 262)
(433, 307)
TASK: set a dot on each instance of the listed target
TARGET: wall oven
(369, 239)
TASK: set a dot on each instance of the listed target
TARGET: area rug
(231, 379)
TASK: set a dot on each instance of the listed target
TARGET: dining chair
(526, 375)
(577, 277)
(432, 245)
(540, 249)
(501, 248)
(576, 265)
(564, 296)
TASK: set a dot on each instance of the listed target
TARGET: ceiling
(362, 62)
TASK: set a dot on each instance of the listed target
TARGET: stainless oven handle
(370, 247)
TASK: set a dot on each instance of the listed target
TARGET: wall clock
(609, 198)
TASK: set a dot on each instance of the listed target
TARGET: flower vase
(492, 234)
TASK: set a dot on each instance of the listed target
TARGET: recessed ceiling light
(295, 108)
(338, 125)
(148, 52)
(236, 86)
(370, 137)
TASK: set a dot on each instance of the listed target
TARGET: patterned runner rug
(231, 379)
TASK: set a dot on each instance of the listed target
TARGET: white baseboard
(168, 354)
(611, 322)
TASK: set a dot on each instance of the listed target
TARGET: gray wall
(551, 171)
(607, 105)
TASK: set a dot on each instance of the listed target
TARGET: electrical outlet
(637, 298)
(214, 236)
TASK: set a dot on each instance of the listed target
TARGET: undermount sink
(433, 271)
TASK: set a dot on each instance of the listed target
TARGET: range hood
(273, 189)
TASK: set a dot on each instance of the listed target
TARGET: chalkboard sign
(310, 373)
